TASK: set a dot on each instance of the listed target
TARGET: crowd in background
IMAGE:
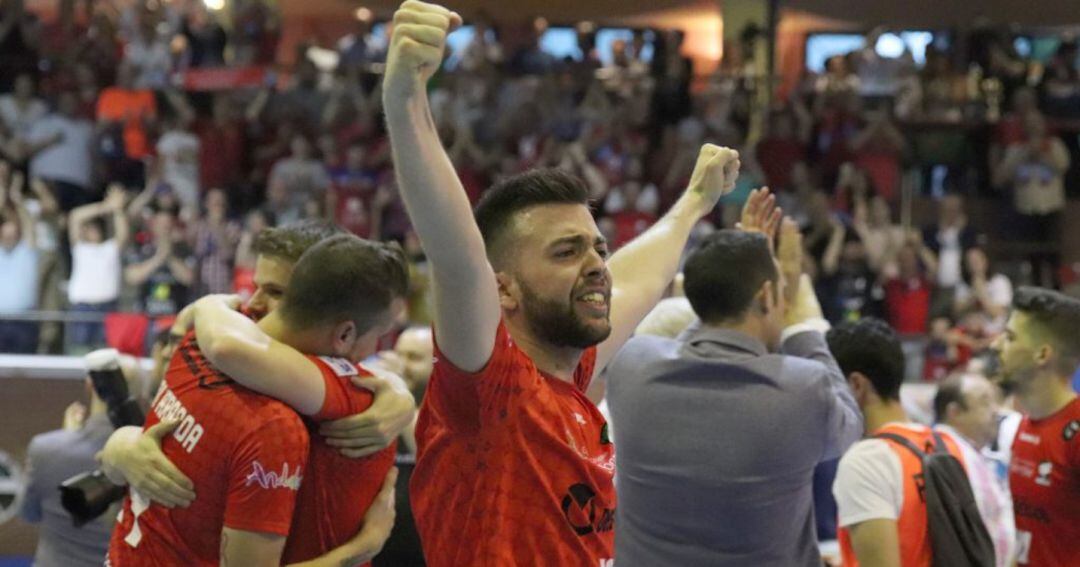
(124, 196)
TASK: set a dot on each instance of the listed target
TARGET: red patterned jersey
(513, 466)
(337, 491)
(1044, 476)
(245, 453)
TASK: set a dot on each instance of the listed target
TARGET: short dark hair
(722, 275)
(345, 277)
(1058, 315)
(503, 201)
(869, 346)
(949, 390)
(290, 241)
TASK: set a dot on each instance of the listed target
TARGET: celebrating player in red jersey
(514, 464)
(246, 488)
(1039, 353)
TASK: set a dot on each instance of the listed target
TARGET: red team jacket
(514, 467)
(248, 456)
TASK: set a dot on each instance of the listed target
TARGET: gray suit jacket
(52, 458)
(717, 440)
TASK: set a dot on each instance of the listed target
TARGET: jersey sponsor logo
(169, 408)
(343, 368)
(1030, 511)
(270, 479)
(582, 512)
(1071, 429)
(1028, 438)
(1022, 467)
(1045, 469)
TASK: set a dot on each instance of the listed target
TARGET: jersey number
(139, 504)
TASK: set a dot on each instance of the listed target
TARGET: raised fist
(417, 44)
(714, 173)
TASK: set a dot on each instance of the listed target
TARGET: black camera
(88, 495)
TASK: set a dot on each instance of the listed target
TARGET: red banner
(223, 78)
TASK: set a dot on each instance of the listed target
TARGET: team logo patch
(343, 368)
(1071, 429)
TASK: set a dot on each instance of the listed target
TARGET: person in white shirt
(60, 147)
(95, 265)
(966, 408)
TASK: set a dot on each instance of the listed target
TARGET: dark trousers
(18, 337)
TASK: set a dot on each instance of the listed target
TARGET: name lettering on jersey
(1045, 468)
(1028, 438)
(168, 408)
(343, 368)
(270, 479)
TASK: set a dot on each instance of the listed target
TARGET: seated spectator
(95, 265)
(60, 148)
(162, 269)
(984, 288)
(21, 109)
(966, 408)
(19, 265)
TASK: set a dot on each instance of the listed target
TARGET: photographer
(58, 455)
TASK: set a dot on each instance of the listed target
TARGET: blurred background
(929, 149)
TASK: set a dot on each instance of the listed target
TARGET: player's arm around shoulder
(240, 349)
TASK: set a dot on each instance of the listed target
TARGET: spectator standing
(1033, 172)
(949, 239)
(216, 239)
(178, 152)
(147, 50)
(95, 265)
(984, 289)
(19, 259)
(20, 36)
(60, 148)
(125, 114)
(162, 269)
(966, 408)
(300, 175)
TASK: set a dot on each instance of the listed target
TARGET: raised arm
(465, 293)
(643, 269)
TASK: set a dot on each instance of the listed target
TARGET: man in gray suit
(719, 429)
(56, 456)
